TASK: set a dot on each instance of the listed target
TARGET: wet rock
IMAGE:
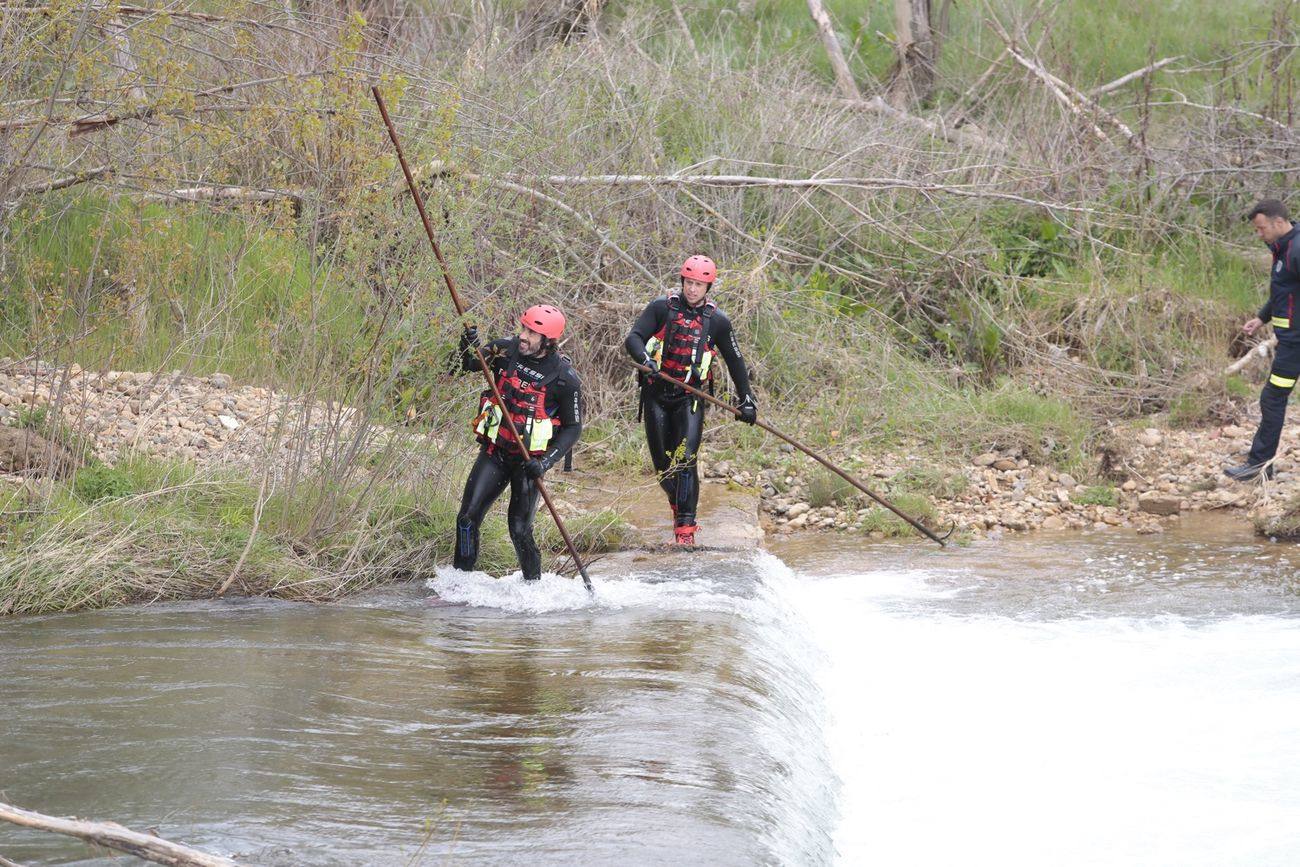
(1053, 522)
(1155, 503)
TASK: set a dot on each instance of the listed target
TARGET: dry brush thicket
(1014, 227)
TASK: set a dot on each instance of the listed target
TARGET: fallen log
(114, 836)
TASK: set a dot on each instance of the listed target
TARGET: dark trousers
(674, 427)
(1272, 402)
(488, 478)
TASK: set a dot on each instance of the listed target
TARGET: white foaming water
(1116, 741)
(557, 593)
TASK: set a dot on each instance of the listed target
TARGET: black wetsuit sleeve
(568, 396)
(493, 352)
(724, 338)
(647, 325)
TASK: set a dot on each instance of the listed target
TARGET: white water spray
(1118, 740)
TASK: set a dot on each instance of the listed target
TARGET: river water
(1096, 699)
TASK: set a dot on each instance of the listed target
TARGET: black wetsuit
(674, 419)
(501, 463)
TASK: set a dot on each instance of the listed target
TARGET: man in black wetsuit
(680, 334)
(543, 395)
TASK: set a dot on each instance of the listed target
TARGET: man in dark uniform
(1273, 224)
(543, 395)
(680, 334)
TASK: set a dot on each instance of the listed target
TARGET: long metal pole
(803, 448)
(460, 309)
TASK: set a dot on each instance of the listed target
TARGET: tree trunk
(919, 35)
(844, 82)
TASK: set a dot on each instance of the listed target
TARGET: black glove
(470, 337)
(748, 412)
(534, 468)
(653, 368)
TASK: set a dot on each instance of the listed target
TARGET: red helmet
(546, 320)
(700, 268)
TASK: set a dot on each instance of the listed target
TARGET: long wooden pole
(460, 309)
(704, 395)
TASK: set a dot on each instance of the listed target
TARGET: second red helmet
(700, 268)
(546, 320)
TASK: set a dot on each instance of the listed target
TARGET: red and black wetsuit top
(533, 389)
(687, 333)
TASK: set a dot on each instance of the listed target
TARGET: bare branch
(862, 183)
(1052, 83)
(1079, 104)
(956, 135)
(1263, 350)
(149, 12)
(226, 194)
(1135, 74)
(59, 183)
(94, 122)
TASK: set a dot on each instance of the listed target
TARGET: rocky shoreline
(209, 420)
(1152, 475)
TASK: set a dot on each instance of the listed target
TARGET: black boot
(1249, 472)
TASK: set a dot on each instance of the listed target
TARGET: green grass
(1098, 495)
(222, 292)
(1090, 43)
(828, 489)
(882, 520)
